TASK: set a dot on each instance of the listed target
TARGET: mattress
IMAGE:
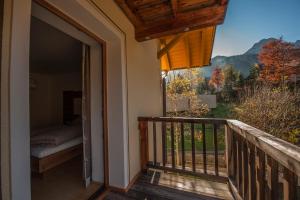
(44, 151)
(56, 135)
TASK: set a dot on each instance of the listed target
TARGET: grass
(222, 110)
(199, 138)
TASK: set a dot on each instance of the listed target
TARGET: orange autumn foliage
(278, 60)
(216, 78)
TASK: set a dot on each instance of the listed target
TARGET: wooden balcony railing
(255, 164)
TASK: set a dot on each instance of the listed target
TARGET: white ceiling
(52, 51)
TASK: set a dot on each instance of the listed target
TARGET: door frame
(102, 43)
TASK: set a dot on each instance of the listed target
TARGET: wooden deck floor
(157, 185)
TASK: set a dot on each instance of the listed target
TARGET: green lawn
(198, 138)
(222, 110)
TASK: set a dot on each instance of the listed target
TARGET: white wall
(46, 99)
(143, 79)
(133, 87)
(17, 78)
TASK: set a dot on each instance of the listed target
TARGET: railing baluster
(204, 148)
(193, 146)
(182, 146)
(216, 150)
(245, 169)
(289, 185)
(172, 145)
(163, 142)
(251, 170)
(239, 166)
(273, 178)
(154, 143)
(234, 153)
(143, 127)
(260, 174)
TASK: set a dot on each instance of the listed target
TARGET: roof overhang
(158, 18)
(185, 28)
(187, 50)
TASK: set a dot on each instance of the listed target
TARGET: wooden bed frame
(41, 165)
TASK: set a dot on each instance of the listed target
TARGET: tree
(204, 87)
(182, 86)
(277, 57)
(231, 82)
(253, 73)
(217, 78)
(274, 110)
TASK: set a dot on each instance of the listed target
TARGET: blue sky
(248, 21)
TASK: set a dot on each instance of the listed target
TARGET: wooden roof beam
(167, 30)
(188, 50)
(129, 13)
(184, 22)
(163, 42)
(174, 4)
(168, 46)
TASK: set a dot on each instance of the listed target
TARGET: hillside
(241, 62)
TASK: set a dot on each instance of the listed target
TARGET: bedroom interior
(59, 98)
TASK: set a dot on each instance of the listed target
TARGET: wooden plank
(41, 165)
(184, 120)
(239, 166)
(172, 145)
(251, 171)
(260, 174)
(211, 177)
(204, 148)
(289, 185)
(135, 20)
(169, 61)
(174, 4)
(144, 155)
(193, 147)
(216, 149)
(188, 50)
(245, 169)
(285, 153)
(234, 190)
(273, 178)
(194, 20)
(182, 146)
(154, 144)
(164, 149)
(229, 151)
(234, 153)
(169, 46)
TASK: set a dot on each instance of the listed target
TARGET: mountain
(255, 49)
(241, 62)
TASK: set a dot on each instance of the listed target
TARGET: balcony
(203, 158)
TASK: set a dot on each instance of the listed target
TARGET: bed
(49, 149)
(52, 146)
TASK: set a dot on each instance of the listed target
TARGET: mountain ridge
(241, 62)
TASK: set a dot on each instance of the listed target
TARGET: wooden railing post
(273, 185)
(289, 185)
(228, 153)
(260, 174)
(251, 171)
(144, 149)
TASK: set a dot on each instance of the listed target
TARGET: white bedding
(54, 136)
(43, 151)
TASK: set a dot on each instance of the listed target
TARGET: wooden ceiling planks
(187, 50)
(159, 18)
